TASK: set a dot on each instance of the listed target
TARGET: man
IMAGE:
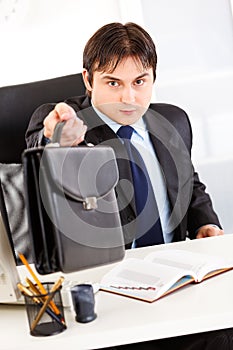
(119, 73)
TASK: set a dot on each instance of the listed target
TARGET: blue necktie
(148, 225)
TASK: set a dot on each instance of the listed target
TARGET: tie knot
(125, 132)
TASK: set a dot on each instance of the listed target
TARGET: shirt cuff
(213, 225)
(42, 140)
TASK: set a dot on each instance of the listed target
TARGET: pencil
(33, 287)
(36, 279)
(36, 291)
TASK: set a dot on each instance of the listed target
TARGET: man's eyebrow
(111, 77)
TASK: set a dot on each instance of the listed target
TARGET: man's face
(124, 94)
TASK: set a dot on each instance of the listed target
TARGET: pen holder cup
(45, 312)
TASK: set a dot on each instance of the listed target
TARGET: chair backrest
(18, 102)
(13, 210)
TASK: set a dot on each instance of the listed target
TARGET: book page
(200, 264)
(142, 279)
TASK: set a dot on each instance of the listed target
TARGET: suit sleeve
(34, 132)
(200, 211)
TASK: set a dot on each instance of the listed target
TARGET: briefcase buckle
(90, 203)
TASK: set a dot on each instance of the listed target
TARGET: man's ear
(86, 80)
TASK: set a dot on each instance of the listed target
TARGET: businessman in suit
(119, 71)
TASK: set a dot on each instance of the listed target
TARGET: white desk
(121, 320)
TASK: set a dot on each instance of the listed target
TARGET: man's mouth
(127, 111)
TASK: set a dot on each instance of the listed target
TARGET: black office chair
(18, 102)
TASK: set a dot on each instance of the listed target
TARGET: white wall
(195, 66)
(45, 38)
(48, 41)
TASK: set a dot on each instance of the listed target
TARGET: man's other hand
(209, 231)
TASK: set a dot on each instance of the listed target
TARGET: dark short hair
(114, 42)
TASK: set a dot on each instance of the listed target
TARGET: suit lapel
(175, 162)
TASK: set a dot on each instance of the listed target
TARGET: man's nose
(128, 95)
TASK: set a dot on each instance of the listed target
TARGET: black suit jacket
(171, 136)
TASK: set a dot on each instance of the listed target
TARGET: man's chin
(126, 120)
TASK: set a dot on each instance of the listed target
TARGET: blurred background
(43, 39)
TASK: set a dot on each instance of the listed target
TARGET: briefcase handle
(56, 138)
(57, 132)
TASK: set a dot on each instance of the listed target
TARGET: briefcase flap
(81, 172)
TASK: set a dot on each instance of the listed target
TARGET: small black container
(83, 302)
(52, 320)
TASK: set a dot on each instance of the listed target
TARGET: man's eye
(139, 82)
(113, 83)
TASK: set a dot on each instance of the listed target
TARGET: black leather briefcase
(72, 210)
